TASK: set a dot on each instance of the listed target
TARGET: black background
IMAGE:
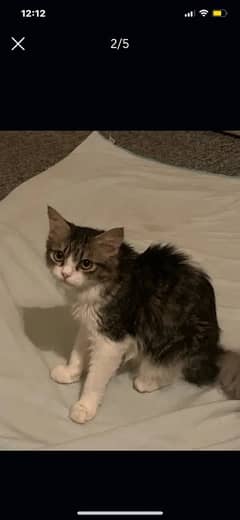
(178, 73)
(189, 485)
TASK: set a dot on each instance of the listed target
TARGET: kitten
(155, 306)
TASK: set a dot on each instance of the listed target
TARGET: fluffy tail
(229, 374)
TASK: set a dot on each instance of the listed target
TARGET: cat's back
(162, 267)
(162, 261)
(171, 289)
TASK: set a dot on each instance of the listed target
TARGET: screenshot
(119, 260)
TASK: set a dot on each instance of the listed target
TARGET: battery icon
(219, 13)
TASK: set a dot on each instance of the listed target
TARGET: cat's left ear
(110, 241)
(59, 229)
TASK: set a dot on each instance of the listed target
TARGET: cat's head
(81, 257)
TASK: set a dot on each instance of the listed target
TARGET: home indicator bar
(119, 513)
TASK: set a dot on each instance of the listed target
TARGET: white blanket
(101, 185)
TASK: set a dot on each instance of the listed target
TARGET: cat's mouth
(67, 281)
(70, 282)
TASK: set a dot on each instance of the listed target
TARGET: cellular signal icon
(190, 14)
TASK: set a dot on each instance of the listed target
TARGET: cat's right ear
(59, 229)
(109, 242)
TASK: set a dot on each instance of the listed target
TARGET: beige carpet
(25, 154)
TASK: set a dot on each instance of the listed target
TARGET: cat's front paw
(64, 374)
(82, 412)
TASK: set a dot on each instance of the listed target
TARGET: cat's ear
(59, 229)
(110, 241)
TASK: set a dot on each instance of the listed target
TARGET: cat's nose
(66, 274)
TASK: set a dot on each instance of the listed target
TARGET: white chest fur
(85, 308)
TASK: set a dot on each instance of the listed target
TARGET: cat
(155, 306)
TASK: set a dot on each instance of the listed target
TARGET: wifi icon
(203, 12)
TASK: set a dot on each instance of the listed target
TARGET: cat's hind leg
(151, 376)
(71, 372)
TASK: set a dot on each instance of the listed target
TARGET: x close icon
(18, 43)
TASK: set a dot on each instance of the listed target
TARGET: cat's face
(81, 257)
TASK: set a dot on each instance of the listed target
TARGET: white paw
(145, 385)
(81, 413)
(64, 374)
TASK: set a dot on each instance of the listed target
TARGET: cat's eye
(57, 256)
(86, 264)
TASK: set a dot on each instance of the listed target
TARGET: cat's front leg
(105, 359)
(71, 372)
